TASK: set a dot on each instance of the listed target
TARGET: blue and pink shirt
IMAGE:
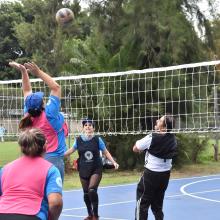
(51, 122)
(19, 195)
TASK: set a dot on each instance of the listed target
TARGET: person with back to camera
(47, 117)
(159, 147)
(89, 146)
(30, 187)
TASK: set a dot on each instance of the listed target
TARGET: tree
(42, 38)
(10, 49)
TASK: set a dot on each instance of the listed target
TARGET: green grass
(10, 151)
(110, 177)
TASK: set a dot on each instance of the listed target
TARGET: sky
(203, 5)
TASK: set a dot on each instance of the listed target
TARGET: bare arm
(68, 152)
(55, 203)
(52, 84)
(26, 85)
(109, 156)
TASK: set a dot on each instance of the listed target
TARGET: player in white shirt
(159, 147)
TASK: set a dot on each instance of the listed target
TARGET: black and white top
(89, 156)
(160, 149)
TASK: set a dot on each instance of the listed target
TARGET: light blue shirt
(2, 131)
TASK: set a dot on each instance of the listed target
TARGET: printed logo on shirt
(88, 155)
(59, 182)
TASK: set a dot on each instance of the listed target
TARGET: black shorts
(95, 171)
(18, 217)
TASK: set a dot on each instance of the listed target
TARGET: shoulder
(53, 170)
(102, 145)
(100, 140)
(54, 98)
(145, 142)
(53, 101)
(77, 141)
(79, 138)
(54, 181)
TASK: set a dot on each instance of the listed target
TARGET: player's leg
(93, 195)
(161, 183)
(85, 186)
(144, 194)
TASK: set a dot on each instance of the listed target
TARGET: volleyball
(64, 16)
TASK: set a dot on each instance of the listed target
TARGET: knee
(93, 194)
(92, 191)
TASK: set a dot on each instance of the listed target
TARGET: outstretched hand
(32, 67)
(18, 66)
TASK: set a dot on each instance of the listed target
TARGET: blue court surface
(186, 199)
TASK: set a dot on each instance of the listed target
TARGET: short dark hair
(32, 142)
(169, 122)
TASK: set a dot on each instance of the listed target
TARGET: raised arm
(52, 84)
(26, 85)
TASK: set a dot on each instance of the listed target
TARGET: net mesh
(128, 102)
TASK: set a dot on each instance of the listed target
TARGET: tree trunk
(215, 151)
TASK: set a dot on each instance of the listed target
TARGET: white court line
(103, 187)
(101, 205)
(131, 201)
(184, 193)
(116, 203)
(131, 184)
(80, 216)
(182, 189)
(195, 177)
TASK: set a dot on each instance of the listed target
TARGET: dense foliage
(110, 35)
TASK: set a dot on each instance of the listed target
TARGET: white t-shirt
(151, 162)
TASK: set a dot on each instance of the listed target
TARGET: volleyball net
(128, 102)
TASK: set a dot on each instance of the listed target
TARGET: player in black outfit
(159, 147)
(90, 165)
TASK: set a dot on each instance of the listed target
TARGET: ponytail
(25, 122)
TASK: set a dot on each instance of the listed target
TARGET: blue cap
(87, 120)
(34, 101)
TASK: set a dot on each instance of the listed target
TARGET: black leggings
(18, 217)
(90, 186)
